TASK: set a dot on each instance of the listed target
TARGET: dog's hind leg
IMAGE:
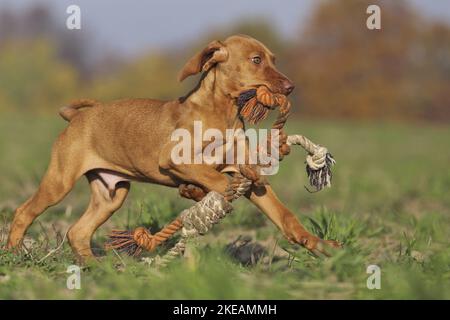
(102, 205)
(56, 183)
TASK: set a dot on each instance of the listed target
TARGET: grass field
(389, 205)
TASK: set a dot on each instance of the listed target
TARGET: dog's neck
(210, 97)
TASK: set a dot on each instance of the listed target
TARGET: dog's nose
(288, 87)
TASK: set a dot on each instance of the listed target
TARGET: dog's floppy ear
(214, 53)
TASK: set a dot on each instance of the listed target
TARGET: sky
(128, 27)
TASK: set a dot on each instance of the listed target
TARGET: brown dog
(115, 143)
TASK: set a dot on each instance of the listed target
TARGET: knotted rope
(197, 220)
(254, 106)
(132, 242)
(318, 162)
(193, 221)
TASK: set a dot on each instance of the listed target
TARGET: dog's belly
(111, 178)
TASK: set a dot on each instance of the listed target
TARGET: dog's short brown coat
(129, 140)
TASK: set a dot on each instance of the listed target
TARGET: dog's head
(240, 63)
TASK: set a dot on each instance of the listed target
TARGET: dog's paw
(190, 191)
(284, 148)
(314, 244)
(252, 172)
(318, 246)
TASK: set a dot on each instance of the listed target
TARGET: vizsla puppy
(115, 143)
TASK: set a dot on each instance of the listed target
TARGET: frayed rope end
(123, 241)
(321, 177)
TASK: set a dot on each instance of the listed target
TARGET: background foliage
(342, 69)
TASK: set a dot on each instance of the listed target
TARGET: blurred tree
(343, 69)
(151, 76)
(257, 27)
(429, 80)
(32, 79)
(7, 24)
(36, 22)
(262, 29)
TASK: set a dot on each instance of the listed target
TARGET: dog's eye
(256, 60)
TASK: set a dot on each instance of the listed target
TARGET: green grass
(390, 205)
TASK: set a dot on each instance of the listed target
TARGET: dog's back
(73, 109)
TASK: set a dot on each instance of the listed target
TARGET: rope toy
(318, 162)
(197, 220)
(199, 217)
(254, 106)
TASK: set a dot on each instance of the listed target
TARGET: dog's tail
(70, 111)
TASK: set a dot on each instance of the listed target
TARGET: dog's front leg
(266, 200)
(202, 175)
